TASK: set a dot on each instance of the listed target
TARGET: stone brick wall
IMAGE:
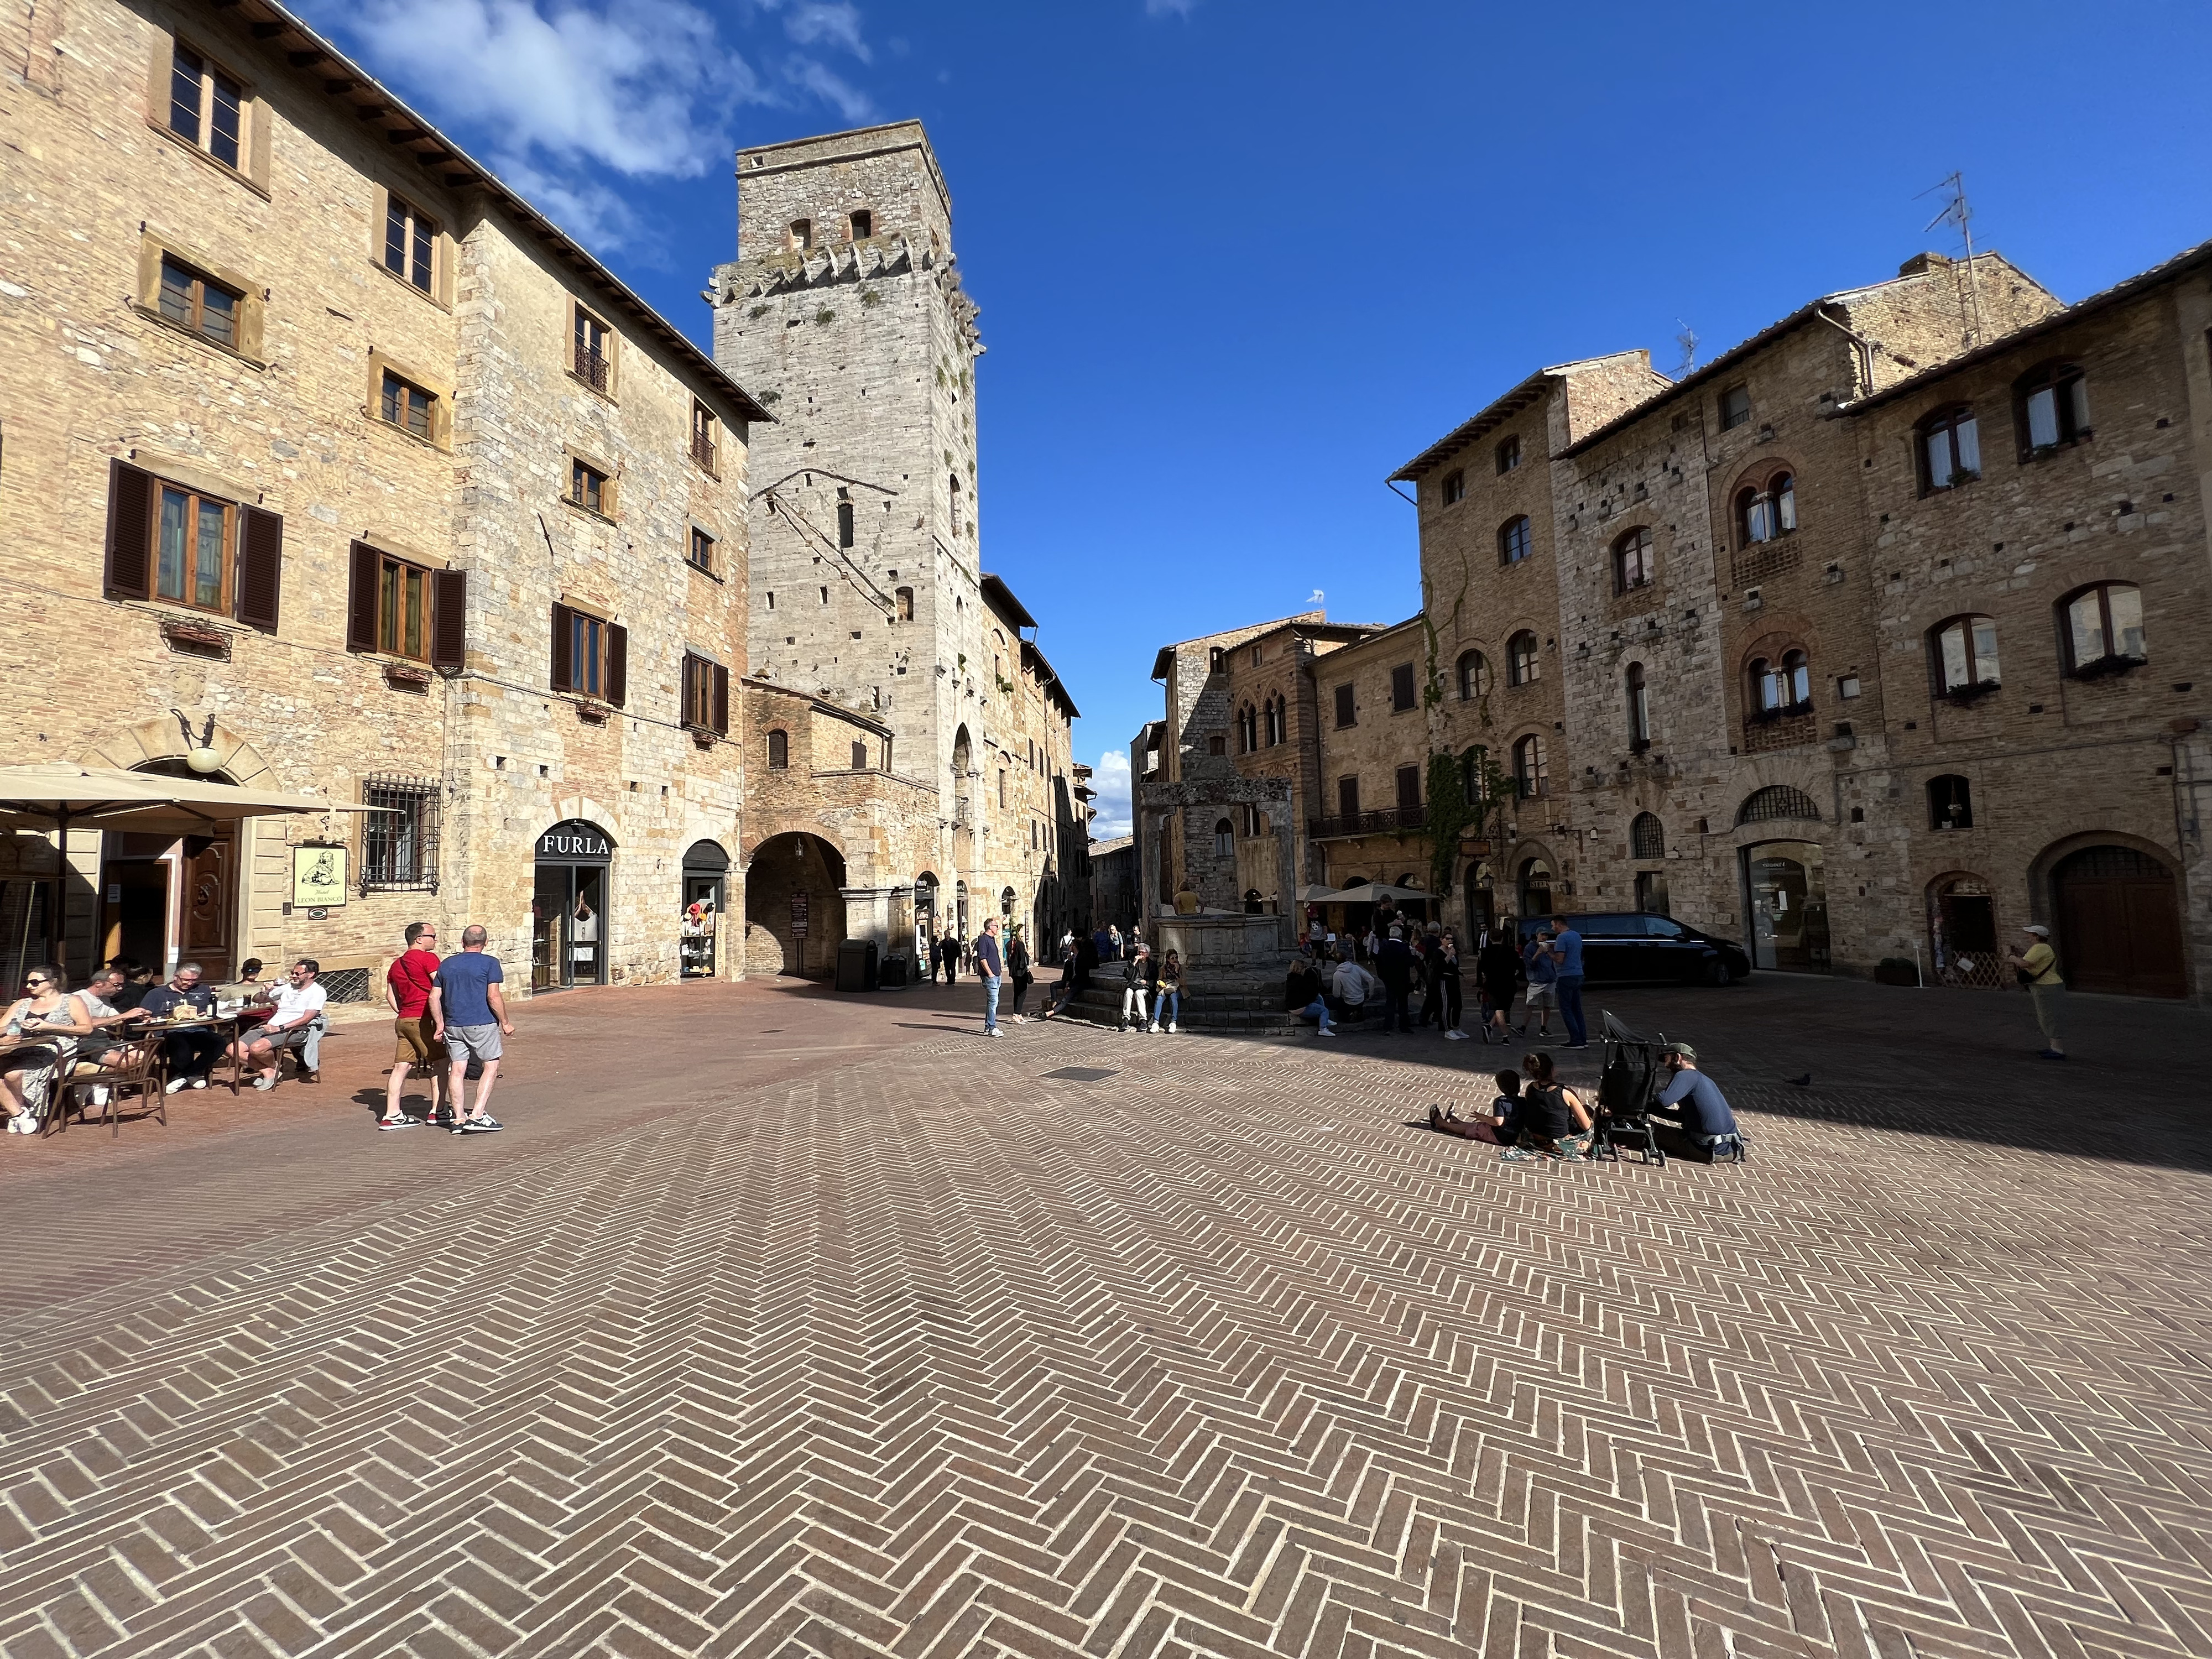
(1381, 739)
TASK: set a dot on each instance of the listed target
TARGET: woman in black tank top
(1552, 1117)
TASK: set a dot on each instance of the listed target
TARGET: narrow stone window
(1454, 487)
(1509, 454)
(905, 597)
(863, 224)
(802, 235)
(845, 527)
(409, 239)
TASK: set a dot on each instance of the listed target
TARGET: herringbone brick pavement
(927, 1354)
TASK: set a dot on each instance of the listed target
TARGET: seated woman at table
(48, 1022)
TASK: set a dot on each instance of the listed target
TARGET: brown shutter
(449, 620)
(721, 700)
(130, 531)
(690, 677)
(360, 611)
(618, 665)
(260, 567)
(563, 678)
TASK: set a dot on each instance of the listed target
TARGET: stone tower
(844, 309)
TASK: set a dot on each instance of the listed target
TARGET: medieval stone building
(844, 305)
(326, 453)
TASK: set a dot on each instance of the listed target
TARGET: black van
(1623, 945)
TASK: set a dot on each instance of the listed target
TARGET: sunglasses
(37, 979)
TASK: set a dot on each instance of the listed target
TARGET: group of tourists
(1333, 987)
(1536, 1116)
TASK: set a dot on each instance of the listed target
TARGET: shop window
(1474, 675)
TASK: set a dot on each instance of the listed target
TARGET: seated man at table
(190, 1053)
(109, 1048)
(138, 980)
(298, 1023)
(249, 987)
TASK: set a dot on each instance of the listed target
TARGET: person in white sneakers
(1167, 999)
(297, 1023)
(1143, 975)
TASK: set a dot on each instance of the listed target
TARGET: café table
(226, 1026)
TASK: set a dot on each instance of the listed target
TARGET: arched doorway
(925, 920)
(794, 911)
(706, 881)
(569, 932)
(1536, 886)
(1962, 932)
(960, 913)
(167, 899)
(1481, 905)
(2119, 929)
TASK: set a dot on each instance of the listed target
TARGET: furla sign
(573, 842)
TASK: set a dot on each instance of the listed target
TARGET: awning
(58, 797)
(1369, 892)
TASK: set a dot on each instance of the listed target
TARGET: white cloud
(1315, 598)
(1111, 780)
(1169, 7)
(569, 90)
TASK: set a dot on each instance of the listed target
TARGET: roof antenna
(1687, 340)
(1955, 211)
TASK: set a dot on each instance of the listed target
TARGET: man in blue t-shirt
(468, 1013)
(1705, 1120)
(1567, 955)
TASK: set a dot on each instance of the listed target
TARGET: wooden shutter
(449, 619)
(722, 710)
(130, 525)
(368, 569)
(260, 567)
(618, 665)
(563, 678)
(687, 681)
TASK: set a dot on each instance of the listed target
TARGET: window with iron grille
(399, 845)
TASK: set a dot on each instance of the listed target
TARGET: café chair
(146, 1080)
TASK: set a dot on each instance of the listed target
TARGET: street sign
(798, 916)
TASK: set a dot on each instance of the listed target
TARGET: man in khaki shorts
(410, 977)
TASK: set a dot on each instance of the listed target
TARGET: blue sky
(1238, 259)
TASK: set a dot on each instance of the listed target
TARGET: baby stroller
(1626, 1091)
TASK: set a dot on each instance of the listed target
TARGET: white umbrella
(65, 797)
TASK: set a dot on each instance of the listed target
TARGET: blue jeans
(1165, 1010)
(990, 1002)
(1570, 1007)
(1315, 1010)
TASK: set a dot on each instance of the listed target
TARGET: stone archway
(794, 907)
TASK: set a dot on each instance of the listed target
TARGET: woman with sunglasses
(48, 1022)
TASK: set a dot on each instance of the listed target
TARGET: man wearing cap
(1706, 1121)
(2037, 968)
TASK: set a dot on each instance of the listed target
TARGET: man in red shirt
(410, 979)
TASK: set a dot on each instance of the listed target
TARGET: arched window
(1509, 454)
(962, 752)
(1454, 487)
(1964, 654)
(1278, 721)
(1247, 729)
(1513, 543)
(1950, 802)
(1777, 801)
(1634, 564)
(905, 597)
(863, 224)
(1521, 660)
(1950, 448)
(1473, 676)
(2053, 407)
(1224, 840)
(1640, 708)
(954, 482)
(778, 751)
(1530, 776)
(1783, 687)
(1647, 837)
(1765, 510)
(2104, 628)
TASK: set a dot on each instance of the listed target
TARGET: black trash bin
(856, 965)
(894, 974)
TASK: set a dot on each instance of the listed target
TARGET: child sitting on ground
(1500, 1126)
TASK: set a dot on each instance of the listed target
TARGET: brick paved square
(850, 1333)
